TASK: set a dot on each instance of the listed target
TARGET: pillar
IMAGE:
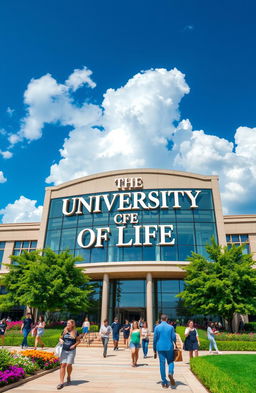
(149, 301)
(104, 303)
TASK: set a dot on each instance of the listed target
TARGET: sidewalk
(95, 374)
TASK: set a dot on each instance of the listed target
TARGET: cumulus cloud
(22, 210)
(6, 154)
(2, 178)
(138, 125)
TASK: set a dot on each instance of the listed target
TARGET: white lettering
(101, 236)
(192, 198)
(81, 237)
(154, 199)
(123, 200)
(139, 198)
(121, 238)
(149, 234)
(164, 234)
(65, 207)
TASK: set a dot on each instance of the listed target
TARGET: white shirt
(105, 331)
(188, 330)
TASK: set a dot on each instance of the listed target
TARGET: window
(28, 245)
(2, 246)
(238, 240)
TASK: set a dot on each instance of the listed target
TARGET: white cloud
(134, 126)
(2, 178)
(10, 111)
(22, 210)
(6, 154)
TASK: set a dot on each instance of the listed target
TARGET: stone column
(149, 301)
(104, 304)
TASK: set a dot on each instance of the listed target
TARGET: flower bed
(14, 325)
(16, 365)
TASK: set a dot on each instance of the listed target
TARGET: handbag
(178, 355)
(34, 332)
(58, 350)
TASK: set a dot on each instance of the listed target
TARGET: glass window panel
(227, 238)
(53, 240)
(246, 249)
(33, 244)
(2, 244)
(68, 239)
(17, 244)
(56, 208)
(85, 220)
(151, 216)
(169, 253)
(115, 254)
(185, 233)
(184, 215)
(54, 223)
(235, 238)
(131, 285)
(133, 300)
(202, 251)
(113, 236)
(69, 222)
(204, 215)
(151, 254)
(25, 244)
(185, 252)
(204, 232)
(1, 255)
(167, 215)
(132, 254)
(32, 249)
(100, 219)
(169, 300)
(204, 199)
(171, 286)
(85, 253)
(244, 238)
(98, 254)
(182, 285)
(16, 252)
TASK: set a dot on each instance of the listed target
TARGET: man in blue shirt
(164, 337)
(116, 327)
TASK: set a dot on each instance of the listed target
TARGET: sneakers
(60, 386)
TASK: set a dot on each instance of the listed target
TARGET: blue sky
(212, 43)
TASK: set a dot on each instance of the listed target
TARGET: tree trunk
(230, 324)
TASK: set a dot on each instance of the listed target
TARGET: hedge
(250, 327)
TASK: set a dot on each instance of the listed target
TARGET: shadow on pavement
(78, 382)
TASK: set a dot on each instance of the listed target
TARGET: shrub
(5, 359)
(14, 325)
(236, 337)
(94, 328)
(27, 364)
(250, 327)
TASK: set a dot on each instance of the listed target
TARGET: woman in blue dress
(191, 342)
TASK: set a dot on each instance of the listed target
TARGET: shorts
(40, 332)
(68, 357)
(134, 345)
(85, 330)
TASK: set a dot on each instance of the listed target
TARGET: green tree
(47, 281)
(223, 285)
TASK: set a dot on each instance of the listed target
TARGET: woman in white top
(40, 327)
(145, 333)
(191, 342)
(210, 336)
(85, 328)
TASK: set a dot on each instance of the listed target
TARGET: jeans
(145, 346)
(163, 357)
(105, 345)
(25, 333)
(213, 344)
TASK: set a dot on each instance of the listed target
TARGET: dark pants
(25, 333)
(145, 346)
(105, 345)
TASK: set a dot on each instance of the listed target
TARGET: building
(134, 230)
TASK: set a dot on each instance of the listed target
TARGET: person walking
(163, 344)
(116, 327)
(25, 329)
(85, 329)
(105, 331)
(191, 342)
(69, 339)
(3, 326)
(126, 332)
(40, 327)
(211, 338)
(135, 343)
(145, 333)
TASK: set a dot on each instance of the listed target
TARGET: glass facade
(94, 311)
(165, 300)
(193, 228)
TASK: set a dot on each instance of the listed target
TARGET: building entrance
(131, 313)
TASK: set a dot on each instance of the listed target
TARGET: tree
(223, 285)
(47, 281)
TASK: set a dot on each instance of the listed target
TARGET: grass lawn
(50, 337)
(226, 373)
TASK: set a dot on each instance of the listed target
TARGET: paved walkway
(95, 374)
